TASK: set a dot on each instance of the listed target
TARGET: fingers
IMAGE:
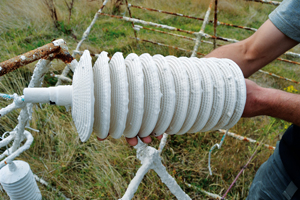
(159, 137)
(133, 141)
(102, 139)
(147, 140)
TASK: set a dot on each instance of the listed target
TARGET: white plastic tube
(60, 95)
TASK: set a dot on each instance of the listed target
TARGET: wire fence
(201, 33)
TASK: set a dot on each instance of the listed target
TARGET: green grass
(103, 170)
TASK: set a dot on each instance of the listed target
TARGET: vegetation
(102, 170)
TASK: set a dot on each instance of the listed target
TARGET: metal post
(215, 23)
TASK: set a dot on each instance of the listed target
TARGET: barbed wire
(275, 3)
(191, 17)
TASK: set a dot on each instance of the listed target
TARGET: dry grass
(102, 170)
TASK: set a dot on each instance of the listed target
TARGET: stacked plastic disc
(140, 95)
(18, 181)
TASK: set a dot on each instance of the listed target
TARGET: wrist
(271, 101)
(262, 100)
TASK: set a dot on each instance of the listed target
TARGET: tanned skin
(258, 50)
(252, 54)
(272, 102)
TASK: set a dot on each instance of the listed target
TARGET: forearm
(258, 50)
(278, 104)
(238, 53)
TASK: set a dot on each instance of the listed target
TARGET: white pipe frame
(150, 159)
(63, 76)
(20, 150)
(199, 36)
(19, 133)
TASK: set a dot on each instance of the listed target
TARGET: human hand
(133, 141)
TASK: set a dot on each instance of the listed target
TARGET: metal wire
(275, 3)
(165, 45)
(191, 17)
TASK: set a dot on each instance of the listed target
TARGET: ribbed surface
(119, 95)
(135, 79)
(168, 100)
(168, 94)
(206, 98)
(24, 188)
(102, 95)
(230, 94)
(241, 93)
(152, 95)
(83, 97)
(218, 95)
(182, 89)
(195, 94)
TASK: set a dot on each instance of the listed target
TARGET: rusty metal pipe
(129, 12)
(55, 49)
(215, 23)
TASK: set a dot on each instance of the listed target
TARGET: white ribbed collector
(169, 94)
(18, 181)
(141, 95)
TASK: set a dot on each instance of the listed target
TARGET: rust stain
(281, 77)
(132, 24)
(64, 55)
(24, 59)
(289, 61)
(48, 50)
(215, 22)
(271, 148)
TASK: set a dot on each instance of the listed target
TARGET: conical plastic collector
(18, 181)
